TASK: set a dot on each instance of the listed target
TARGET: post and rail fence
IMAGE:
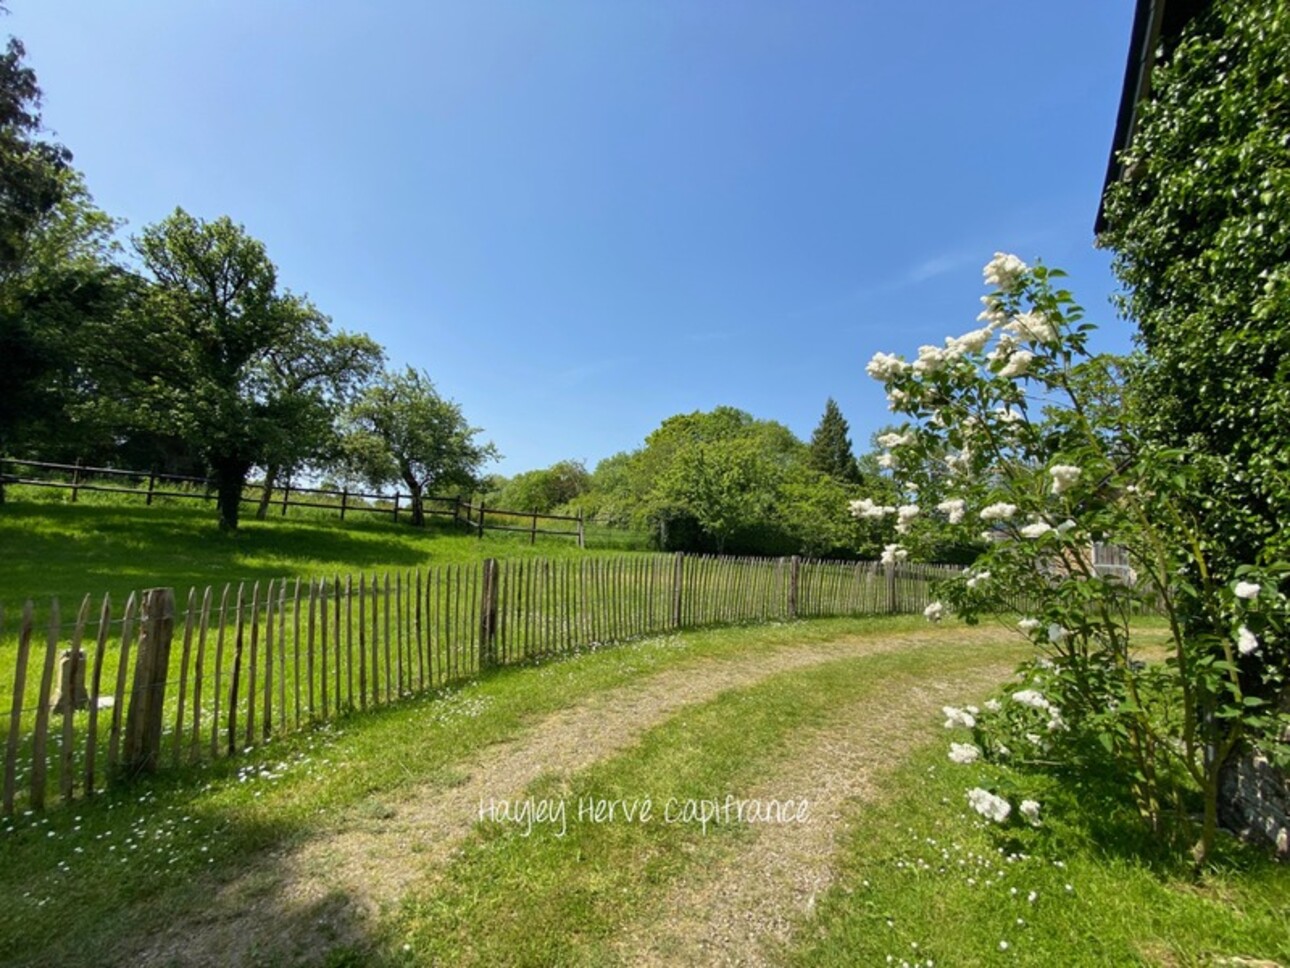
(77, 478)
(122, 689)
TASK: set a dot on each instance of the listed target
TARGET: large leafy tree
(315, 374)
(830, 448)
(214, 353)
(35, 179)
(400, 430)
(31, 169)
(546, 489)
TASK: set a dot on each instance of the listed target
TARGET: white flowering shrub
(1015, 434)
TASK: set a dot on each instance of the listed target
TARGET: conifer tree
(830, 449)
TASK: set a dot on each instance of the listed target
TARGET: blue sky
(583, 217)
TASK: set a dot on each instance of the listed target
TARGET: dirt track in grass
(294, 905)
(743, 909)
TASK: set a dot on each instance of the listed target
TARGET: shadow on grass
(157, 872)
(1093, 811)
(69, 550)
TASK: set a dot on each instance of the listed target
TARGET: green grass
(77, 887)
(561, 895)
(925, 878)
(65, 550)
(83, 878)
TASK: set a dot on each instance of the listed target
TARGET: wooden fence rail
(76, 478)
(156, 681)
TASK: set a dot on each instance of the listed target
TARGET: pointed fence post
(678, 574)
(488, 615)
(794, 572)
(892, 604)
(143, 721)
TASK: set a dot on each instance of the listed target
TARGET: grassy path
(580, 894)
(742, 908)
(362, 863)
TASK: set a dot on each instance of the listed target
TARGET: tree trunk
(418, 509)
(230, 476)
(270, 479)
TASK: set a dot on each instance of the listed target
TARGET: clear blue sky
(583, 217)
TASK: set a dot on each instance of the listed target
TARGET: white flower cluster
(958, 717)
(998, 512)
(988, 805)
(1004, 271)
(1032, 698)
(1028, 625)
(964, 753)
(1018, 364)
(905, 515)
(1036, 700)
(866, 508)
(1247, 590)
(895, 440)
(1030, 810)
(955, 508)
(960, 463)
(893, 553)
(934, 612)
(930, 359)
(1064, 477)
(993, 315)
(1246, 641)
(1036, 530)
(1057, 635)
(1032, 326)
(884, 366)
(978, 578)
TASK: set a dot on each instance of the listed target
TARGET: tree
(316, 373)
(830, 447)
(31, 170)
(724, 485)
(66, 288)
(400, 429)
(544, 490)
(34, 179)
(208, 350)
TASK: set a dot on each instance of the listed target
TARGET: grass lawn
(924, 879)
(69, 550)
(133, 860)
(918, 876)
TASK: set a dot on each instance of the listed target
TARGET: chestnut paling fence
(106, 690)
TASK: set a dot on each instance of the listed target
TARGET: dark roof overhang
(1155, 23)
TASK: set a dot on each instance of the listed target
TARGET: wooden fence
(77, 478)
(121, 689)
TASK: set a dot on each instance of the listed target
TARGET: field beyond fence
(278, 499)
(115, 689)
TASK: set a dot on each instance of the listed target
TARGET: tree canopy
(212, 352)
(400, 430)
